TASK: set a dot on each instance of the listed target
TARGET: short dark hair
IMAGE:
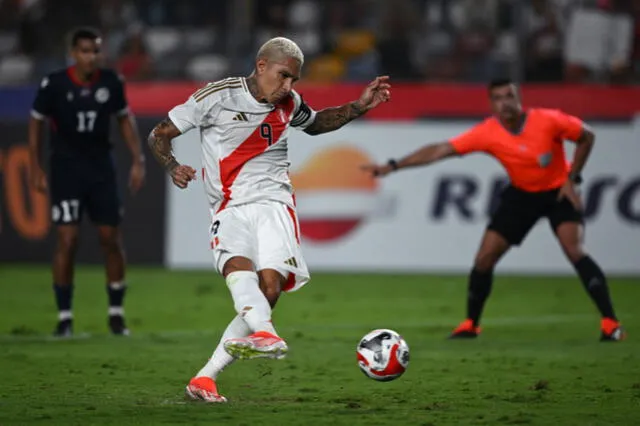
(499, 82)
(84, 33)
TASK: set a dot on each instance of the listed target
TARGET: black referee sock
(479, 289)
(64, 298)
(595, 283)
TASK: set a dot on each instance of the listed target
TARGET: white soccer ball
(383, 355)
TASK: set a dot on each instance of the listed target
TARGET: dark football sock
(595, 283)
(64, 298)
(116, 293)
(479, 289)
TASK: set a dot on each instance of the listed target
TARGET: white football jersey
(244, 142)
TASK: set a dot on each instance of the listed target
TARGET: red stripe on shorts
(292, 213)
(291, 282)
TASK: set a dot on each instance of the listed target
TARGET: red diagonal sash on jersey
(253, 146)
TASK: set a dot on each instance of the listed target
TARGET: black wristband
(393, 163)
(575, 178)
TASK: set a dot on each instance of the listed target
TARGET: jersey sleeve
(473, 140)
(197, 111)
(119, 104)
(43, 103)
(303, 115)
(569, 127)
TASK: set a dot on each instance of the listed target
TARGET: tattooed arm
(159, 141)
(329, 119)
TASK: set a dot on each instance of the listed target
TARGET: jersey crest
(102, 95)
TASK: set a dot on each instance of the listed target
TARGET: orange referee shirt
(534, 157)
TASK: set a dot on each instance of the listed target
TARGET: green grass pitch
(538, 361)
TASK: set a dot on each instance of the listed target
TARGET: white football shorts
(267, 233)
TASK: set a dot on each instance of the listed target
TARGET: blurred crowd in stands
(591, 41)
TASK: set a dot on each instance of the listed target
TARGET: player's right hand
(39, 179)
(377, 170)
(182, 175)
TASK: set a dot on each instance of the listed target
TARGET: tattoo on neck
(252, 85)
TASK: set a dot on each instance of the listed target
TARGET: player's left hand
(376, 92)
(569, 192)
(136, 176)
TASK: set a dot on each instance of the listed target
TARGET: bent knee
(67, 243)
(110, 243)
(236, 263)
(486, 262)
(574, 253)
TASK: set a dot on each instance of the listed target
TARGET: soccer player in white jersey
(244, 124)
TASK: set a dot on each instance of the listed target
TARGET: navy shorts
(80, 185)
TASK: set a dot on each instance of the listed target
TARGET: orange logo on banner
(331, 190)
(27, 210)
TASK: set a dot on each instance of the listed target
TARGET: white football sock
(249, 301)
(65, 315)
(220, 358)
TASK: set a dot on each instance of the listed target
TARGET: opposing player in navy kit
(78, 102)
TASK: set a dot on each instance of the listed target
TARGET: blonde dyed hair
(280, 48)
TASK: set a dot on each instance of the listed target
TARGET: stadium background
(438, 53)
(538, 360)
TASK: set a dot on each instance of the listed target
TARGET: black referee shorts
(519, 211)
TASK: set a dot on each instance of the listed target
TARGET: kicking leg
(203, 385)
(111, 242)
(492, 248)
(569, 235)
(252, 306)
(270, 284)
(63, 269)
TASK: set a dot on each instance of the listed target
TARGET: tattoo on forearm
(160, 145)
(330, 119)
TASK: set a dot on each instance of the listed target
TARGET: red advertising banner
(411, 101)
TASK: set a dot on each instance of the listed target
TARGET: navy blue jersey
(80, 113)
